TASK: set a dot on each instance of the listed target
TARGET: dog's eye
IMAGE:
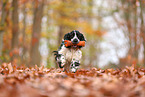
(80, 36)
(72, 35)
(67, 36)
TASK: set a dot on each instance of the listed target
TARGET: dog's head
(75, 37)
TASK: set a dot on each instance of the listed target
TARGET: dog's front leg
(75, 63)
(74, 66)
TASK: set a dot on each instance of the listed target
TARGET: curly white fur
(70, 54)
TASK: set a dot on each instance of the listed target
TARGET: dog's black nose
(75, 41)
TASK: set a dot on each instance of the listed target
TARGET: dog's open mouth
(74, 46)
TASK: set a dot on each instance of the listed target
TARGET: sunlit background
(30, 30)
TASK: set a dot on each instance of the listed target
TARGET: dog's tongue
(74, 45)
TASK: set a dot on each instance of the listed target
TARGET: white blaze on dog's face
(75, 39)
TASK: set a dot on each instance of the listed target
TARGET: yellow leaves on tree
(89, 29)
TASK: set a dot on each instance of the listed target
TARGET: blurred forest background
(31, 29)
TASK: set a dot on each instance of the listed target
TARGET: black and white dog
(69, 57)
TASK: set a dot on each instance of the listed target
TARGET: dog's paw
(74, 66)
(61, 61)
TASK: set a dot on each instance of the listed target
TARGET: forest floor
(44, 82)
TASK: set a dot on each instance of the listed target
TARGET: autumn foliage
(30, 30)
(42, 82)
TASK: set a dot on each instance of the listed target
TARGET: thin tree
(24, 34)
(2, 23)
(15, 28)
(36, 31)
(142, 29)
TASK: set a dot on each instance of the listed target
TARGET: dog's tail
(55, 54)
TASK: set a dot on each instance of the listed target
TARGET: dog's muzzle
(75, 41)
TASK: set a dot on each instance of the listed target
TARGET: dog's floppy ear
(67, 36)
(83, 38)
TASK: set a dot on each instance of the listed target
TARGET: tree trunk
(15, 32)
(136, 48)
(2, 25)
(60, 34)
(38, 13)
(23, 58)
(142, 29)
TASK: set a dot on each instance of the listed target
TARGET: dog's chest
(71, 54)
